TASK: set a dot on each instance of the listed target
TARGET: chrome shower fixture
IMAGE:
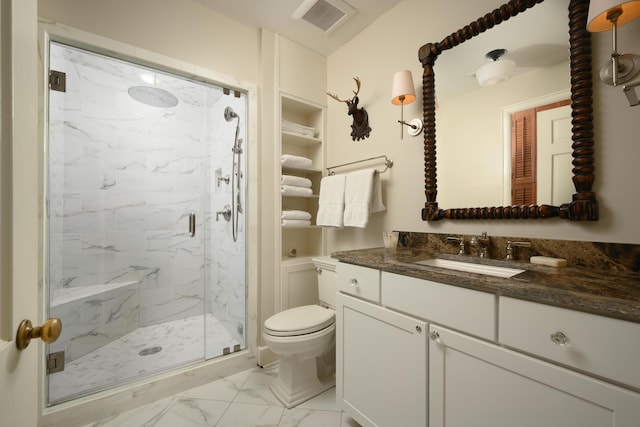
(237, 147)
(236, 174)
(152, 96)
(229, 114)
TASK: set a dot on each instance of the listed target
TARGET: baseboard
(266, 356)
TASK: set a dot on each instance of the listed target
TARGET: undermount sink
(489, 270)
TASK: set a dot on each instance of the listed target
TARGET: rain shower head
(153, 96)
(229, 114)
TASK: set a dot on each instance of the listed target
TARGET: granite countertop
(612, 294)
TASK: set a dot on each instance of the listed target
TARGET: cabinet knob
(434, 336)
(354, 283)
(418, 328)
(559, 338)
(319, 270)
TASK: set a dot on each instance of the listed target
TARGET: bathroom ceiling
(276, 15)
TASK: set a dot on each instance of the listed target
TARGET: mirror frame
(584, 206)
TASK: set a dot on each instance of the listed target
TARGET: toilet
(304, 340)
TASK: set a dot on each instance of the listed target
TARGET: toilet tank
(326, 267)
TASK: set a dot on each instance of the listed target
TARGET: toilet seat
(302, 320)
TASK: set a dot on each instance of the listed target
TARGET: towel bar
(387, 164)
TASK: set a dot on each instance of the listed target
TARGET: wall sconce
(496, 70)
(403, 92)
(605, 15)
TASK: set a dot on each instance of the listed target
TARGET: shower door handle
(192, 224)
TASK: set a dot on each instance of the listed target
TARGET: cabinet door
(381, 372)
(299, 284)
(475, 383)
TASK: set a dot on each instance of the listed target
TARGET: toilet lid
(299, 320)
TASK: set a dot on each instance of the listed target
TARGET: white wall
(180, 29)
(390, 44)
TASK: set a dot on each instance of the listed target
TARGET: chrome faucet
(460, 241)
(511, 245)
(482, 242)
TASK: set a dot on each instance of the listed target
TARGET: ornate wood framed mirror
(583, 206)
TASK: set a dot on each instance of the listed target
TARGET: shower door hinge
(55, 362)
(57, 81)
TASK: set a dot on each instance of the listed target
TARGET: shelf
(308, 240)
(300, 170)
(301, 140)
(303, 107)
(310, 227)
(300, 259)
(313, 196)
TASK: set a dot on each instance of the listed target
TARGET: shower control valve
(225, 212)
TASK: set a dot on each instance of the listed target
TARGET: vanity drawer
(464, 309)
(362, 282)
(603, 346)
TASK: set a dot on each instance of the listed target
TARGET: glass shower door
(128, 179)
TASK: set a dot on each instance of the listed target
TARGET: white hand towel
(362, 197)
(298, 181)
(331, 201)
(295, 223)
(292, 190)
(294, 214)
(292, 161)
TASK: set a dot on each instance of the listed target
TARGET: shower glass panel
(143, 268)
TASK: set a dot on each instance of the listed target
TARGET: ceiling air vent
(326, 15)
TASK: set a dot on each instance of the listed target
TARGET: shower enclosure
(146, 231)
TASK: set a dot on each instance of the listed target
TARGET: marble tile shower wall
(225, 259)
(123, 177)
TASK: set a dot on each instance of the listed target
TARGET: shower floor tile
(222, 403)
(121, 360)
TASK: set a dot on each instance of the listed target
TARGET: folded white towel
(362, 197)
(331, 201)
(296, 223)
(292, 190)
(296, 161)
(293, 214)
(298, 181)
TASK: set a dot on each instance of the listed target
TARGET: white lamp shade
(597, 19)
(495, 72)
(403, 87)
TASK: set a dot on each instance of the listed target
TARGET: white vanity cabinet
(489, 360)
(606, 347)
(477, 383)
(381, 374)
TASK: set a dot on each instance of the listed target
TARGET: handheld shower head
(229, 114)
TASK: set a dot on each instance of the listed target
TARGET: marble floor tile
(256, 389)
(298, 417)
(249, 415)
(225, 390)
(323, 402)
(188, 412)
(239, 400)
(147, 415)
(120, 360)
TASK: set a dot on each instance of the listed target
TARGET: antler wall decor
(360, 127)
